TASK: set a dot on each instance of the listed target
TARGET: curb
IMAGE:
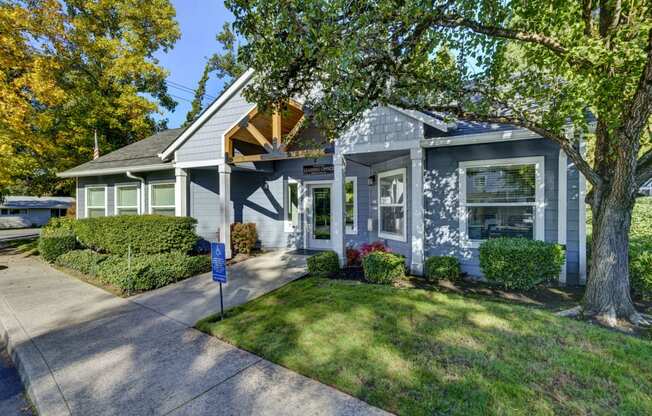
(39, 382)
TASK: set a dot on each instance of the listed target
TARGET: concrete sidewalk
(192, 299)
(83, 351)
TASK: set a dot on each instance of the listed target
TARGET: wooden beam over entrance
(297, 154)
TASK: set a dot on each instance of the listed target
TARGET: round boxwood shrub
(384, 268)
(243, 237)
(56, 242)
(442, 267)
(324, 264)
(519, 263)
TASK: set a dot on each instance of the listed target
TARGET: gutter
(141, 194)
(112, 171)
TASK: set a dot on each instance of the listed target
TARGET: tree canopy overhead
(70, 67)
(542, 65)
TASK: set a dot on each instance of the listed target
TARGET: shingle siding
(206, 142)
(381, 126)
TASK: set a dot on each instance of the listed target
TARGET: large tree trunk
(607, 294)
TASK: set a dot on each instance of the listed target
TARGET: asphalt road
(7, 235)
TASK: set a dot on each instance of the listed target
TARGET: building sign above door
(323, 169)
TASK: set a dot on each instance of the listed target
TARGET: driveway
(7, 235)
(193, 299)
(87, 352)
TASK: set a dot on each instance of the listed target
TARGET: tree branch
(548, 42)
(566, 144)
(587, 15)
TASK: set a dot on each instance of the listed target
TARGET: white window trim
(389, 236)
(288, 226)
(354, 229)
(106, 199)
(539, 204)
(150, 209)
(115, 196)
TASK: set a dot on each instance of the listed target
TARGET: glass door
(319, 217)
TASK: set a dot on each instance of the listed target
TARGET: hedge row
(145, 234)
(140, 273)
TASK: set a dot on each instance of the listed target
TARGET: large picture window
(391, 204)
(351, 205)
(291, 205)
(127, 201)
(501, 198)
(95, 201)
(162, 199)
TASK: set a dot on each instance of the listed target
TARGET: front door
(318, 217)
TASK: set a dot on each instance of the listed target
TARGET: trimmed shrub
(442, 267)
(243, 237)
(367, 248)
(149, 272)
(83, 261)
(519, 263)
(383, 268)
(59, 223)
(325, 264)
(55, 242)
(146, 234)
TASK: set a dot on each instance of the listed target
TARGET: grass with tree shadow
(423, 352)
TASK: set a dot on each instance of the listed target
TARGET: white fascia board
(111, 171)
(226, 96)
(199, 163)
(425, 118)
(491, 137)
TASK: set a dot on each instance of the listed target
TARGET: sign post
(218, 267)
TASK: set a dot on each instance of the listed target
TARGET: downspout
(141, 194)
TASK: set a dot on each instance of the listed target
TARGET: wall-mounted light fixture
(371, 180)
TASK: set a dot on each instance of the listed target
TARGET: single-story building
(423, 185)
(32, 211)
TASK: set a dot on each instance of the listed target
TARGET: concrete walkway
(83, 351)
(193, 299)
(16, 234)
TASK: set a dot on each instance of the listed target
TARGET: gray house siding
(204, 202)
(361, 174)
(206, 142)
(110, 181)
(572, 227)
(441, 185)
(401, 247)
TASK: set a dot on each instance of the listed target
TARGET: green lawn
(417, 352)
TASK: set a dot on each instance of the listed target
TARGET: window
(13, 211)
(162, 199)
(95, 201)
(391, 205)
(127, 201)
(58, 212)
(351, 205)
(291, 205)
(501, 198)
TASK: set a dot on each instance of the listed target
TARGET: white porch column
(337, 199)
(416, 159)
(225, 203)
(181, 193)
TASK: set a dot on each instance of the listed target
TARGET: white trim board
(288, 227)
(110, 171)
(491, 137)
(562, 209)
(199, 163)
(539, 204)
(406, 190)
(217, 104)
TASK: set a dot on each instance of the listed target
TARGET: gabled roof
(139, 156)
(206, 114)
(37, 202)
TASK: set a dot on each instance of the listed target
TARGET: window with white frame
(162, 199)
(291, 205)
(501, 198)
(351, 205)
(95, 201)
(391, 204)
(127, 199)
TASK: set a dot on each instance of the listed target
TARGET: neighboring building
(422, 185)
(646, 189)
(32, 211)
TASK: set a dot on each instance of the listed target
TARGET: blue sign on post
(218, 262)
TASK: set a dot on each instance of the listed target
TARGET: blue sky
(199, 21)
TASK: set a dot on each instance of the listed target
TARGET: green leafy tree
(200, 94)
(536, 64)
(70, 67)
